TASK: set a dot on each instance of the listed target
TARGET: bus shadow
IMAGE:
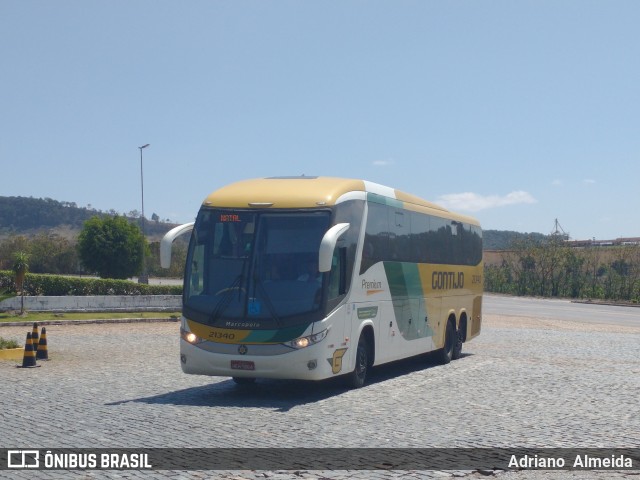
(407, 366)
(281, 395)
(278, 395)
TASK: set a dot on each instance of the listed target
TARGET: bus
(317, 277)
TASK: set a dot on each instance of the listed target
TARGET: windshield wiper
(226, 297)
(227, 294)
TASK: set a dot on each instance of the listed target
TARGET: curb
(606, 303)
(90, 322)
(12, 354)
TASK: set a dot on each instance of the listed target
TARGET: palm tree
(20, 269)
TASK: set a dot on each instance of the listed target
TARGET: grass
(6, 344)
(48, 316)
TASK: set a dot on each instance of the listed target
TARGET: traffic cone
(29, 359)
(43, 353)
(34, 337)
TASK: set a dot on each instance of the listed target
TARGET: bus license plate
(242, 365)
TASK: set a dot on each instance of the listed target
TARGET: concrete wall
(96, 303)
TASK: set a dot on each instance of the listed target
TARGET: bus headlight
(190, 337)
(303, 342)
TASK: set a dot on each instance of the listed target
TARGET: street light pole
(143, 277)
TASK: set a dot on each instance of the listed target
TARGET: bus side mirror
(167, 242)
(328, 245)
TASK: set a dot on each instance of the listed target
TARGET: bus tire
(358, 377)
(244, 380)
(446, 352)
(457, 346)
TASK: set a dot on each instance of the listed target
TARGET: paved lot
(523, 382)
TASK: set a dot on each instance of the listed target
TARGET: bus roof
(309, 192)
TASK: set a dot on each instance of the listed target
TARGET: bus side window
(338, 275)
(399, 236)
(376, 237)
(419, 235)
(197, 280)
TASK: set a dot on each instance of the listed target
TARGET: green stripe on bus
(403, 279)
(275, 336)
(407, 297)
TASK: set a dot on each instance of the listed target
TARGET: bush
(112, 246)
(5, 344)
(54, 285)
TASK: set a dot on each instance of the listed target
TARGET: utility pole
(143, 278)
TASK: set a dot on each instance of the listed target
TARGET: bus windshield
(255, 269)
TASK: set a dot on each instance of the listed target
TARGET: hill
(30, 216)
(502, 239)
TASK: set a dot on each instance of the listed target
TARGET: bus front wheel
(357, 378)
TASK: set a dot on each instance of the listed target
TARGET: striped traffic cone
(29, 359)
(34, 337)
(43, 353)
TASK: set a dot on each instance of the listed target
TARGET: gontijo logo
(447, 280)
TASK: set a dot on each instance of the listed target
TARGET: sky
(515, 112)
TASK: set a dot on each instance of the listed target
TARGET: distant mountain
(30, 216)
(502, 239)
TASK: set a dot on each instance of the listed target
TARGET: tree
(8, 249)
(112, 247)
(20, 269)
(521, 261)
(52, 254)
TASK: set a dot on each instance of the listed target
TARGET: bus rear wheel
(358, 377)
(457, 347)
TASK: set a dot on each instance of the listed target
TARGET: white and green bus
(315, 277)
